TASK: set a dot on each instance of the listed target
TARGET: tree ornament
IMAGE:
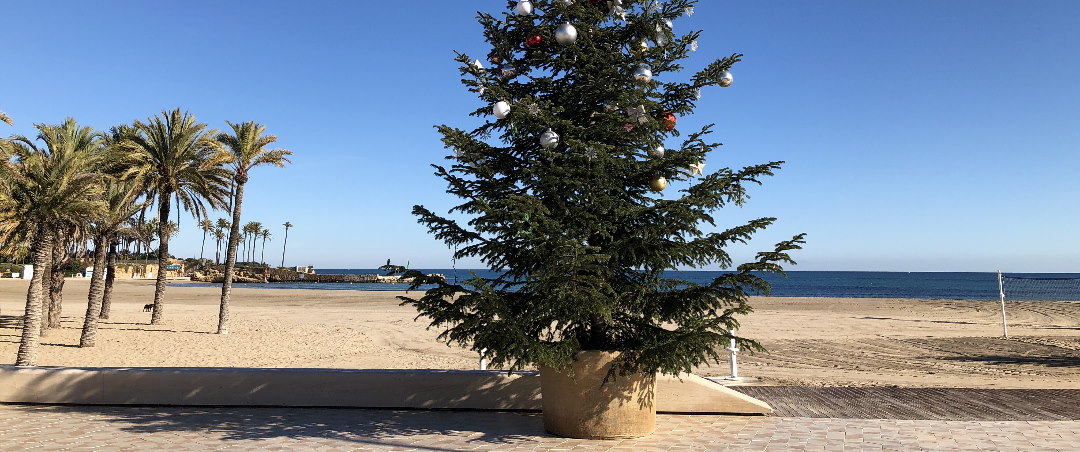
(668, 120)
(697, 93)
(549, 139)
(658, 183)
(643, 45)
(492, 57)
(643, 74)
(693, 45)
(500, 109)
(696, 169)
(534, 41)
(725, 79)
(524, 8)
(566, 34)
(477, 64)
(638, 114)
(657, 152)
(610, 106)
(509, 71)
(628, 127)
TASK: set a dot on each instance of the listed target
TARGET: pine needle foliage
(580, 240)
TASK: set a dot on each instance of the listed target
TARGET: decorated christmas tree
(562, 193)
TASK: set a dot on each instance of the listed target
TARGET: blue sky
(919, 135)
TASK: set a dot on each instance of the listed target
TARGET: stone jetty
(299, 274)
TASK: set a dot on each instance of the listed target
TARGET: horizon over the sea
(804, 283)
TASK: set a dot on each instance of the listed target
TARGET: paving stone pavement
(112, 428)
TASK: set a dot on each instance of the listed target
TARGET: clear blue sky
(920, 135)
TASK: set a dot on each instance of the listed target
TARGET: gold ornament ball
(658, 183)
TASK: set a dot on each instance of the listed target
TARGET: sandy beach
(811, 341)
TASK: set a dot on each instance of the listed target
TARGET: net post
(1001, 291)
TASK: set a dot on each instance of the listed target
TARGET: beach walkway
(806, 419)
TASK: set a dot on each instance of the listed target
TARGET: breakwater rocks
(272, 275)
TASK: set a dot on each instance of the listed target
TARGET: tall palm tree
(287, 226)
(46, 190)
(65, 138)
(114, 151)
(248, 147)
(251, 232)
(265, 234)
(172, 154)
(219, 235)
(5, 118)
(119, 197)
(206, 225)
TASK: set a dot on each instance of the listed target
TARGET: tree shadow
(1045, 361)
(375, 427)
(953, 322)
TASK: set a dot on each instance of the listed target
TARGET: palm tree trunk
(230, 261)
(164, 199)
(283, 247)
(97, 292)
(35, 295)
(263, 256)
(56, 283)
(203, 249)
(110, 278)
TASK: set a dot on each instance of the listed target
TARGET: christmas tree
(561, 190)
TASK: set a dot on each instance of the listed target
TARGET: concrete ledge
(366, 388)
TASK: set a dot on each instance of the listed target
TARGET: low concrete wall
(366, 388)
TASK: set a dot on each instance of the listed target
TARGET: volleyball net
(1032, 288)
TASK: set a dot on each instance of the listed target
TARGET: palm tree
(172, 154)
(219, 235)
(248, 147)
(265, 234)
(64, 138)
(287, 226)
(5, 118)
(119, 198)
(206, 225)
(46, 189)
(251, 232)
(114, 146)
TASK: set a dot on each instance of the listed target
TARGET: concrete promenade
(830, 428)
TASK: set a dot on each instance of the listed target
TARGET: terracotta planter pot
(583, 406)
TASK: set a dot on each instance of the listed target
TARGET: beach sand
(811, 341)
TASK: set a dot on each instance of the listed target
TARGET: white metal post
(734, 359)
(1001, 291)
(483, 359)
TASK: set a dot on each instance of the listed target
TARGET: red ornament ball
(534, 41)
(667, 121)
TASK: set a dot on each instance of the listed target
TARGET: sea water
(839, 284)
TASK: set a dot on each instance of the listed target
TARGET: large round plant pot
(584, 406)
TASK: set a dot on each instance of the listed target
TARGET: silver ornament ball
(726, 79)
(643, 74)
(549, 139)
(524, 8)
(500, 109)
(566, 34)
(657, 152)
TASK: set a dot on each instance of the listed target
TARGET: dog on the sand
(148, 307)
